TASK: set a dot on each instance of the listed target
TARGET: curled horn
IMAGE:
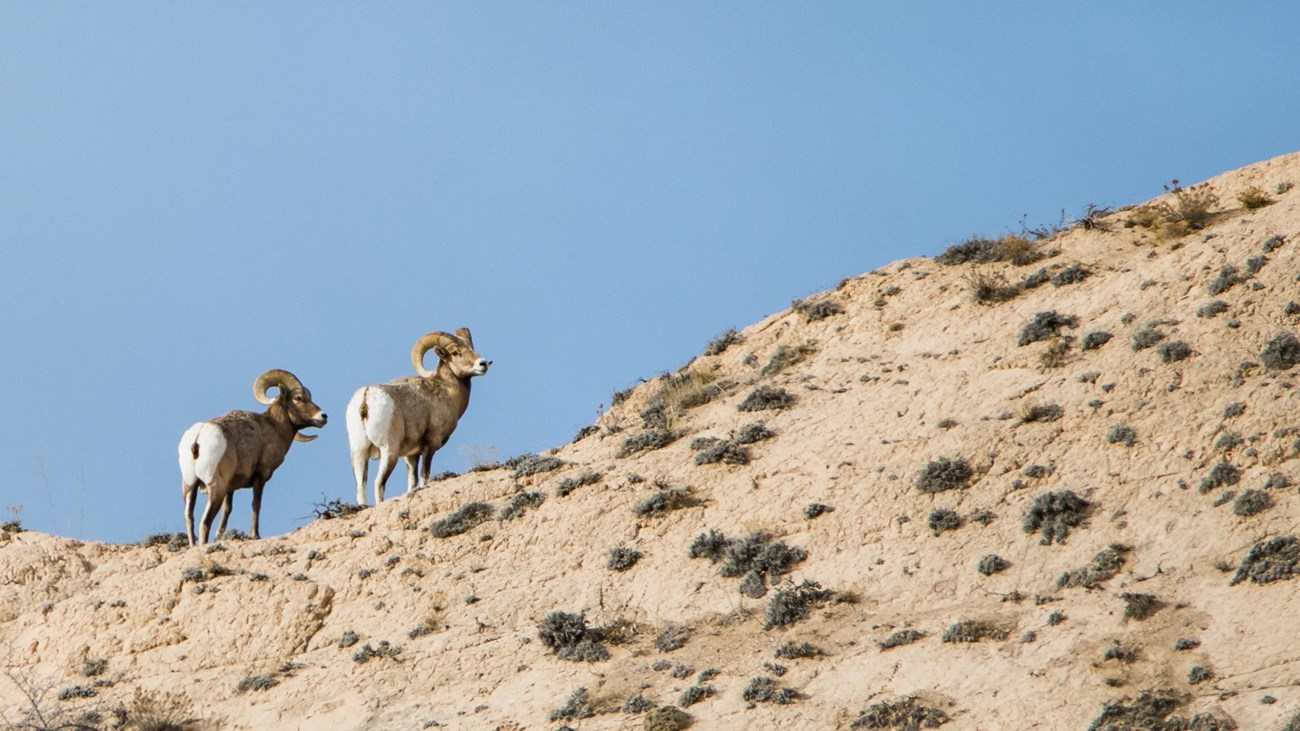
(424, 345)
(274, 378)
(300, 437)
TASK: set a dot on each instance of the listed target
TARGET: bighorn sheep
(412, 417)
(244, 448)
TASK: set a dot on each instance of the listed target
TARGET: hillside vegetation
(1046, 481)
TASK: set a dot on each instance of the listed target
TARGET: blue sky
(194, 193)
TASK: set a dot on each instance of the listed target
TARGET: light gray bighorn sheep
(244, 448)
(412, 417)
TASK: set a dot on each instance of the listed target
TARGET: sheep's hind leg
(209, 514)
(225, 514)
(387, 463)
(361, 470)
(191, 492)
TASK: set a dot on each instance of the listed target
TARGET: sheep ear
(300, 437)
(463, 334)
(441, 352)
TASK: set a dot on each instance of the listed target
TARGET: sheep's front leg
(412, 473)
(426, 466)
(257, 506)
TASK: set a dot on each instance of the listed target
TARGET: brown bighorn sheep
(412, 417)
(244, 448)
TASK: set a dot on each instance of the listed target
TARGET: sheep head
(295, 398)
(456, 351)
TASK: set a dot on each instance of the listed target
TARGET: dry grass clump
(1016, 250)
(1253, 197)
(332, 509)
(1056, 354)
(162, 711)
(1192, 209)
(786, 356)
(819, 310)
(974, 630)
(990, 289)
(902, 715)
(1042, 412)
(686, 389)
(719, 345)
(672, 637)
(1054, 513)
(1140, 606)
(667, 718)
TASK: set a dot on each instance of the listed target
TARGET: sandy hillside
(1067, 533)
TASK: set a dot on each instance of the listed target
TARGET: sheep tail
(194, 449)
(364, 411)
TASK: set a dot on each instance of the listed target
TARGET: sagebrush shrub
(1053, 514)
(766, 398)
(462, 521)
(1281, 353)
(944, 474)
(1045, 325)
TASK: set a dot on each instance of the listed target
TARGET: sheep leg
(210, 512)
(426, 466)
(361, 469)
(257, 506)
(225, 515)
(387, 463)
(412, 473)
(191, 492)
